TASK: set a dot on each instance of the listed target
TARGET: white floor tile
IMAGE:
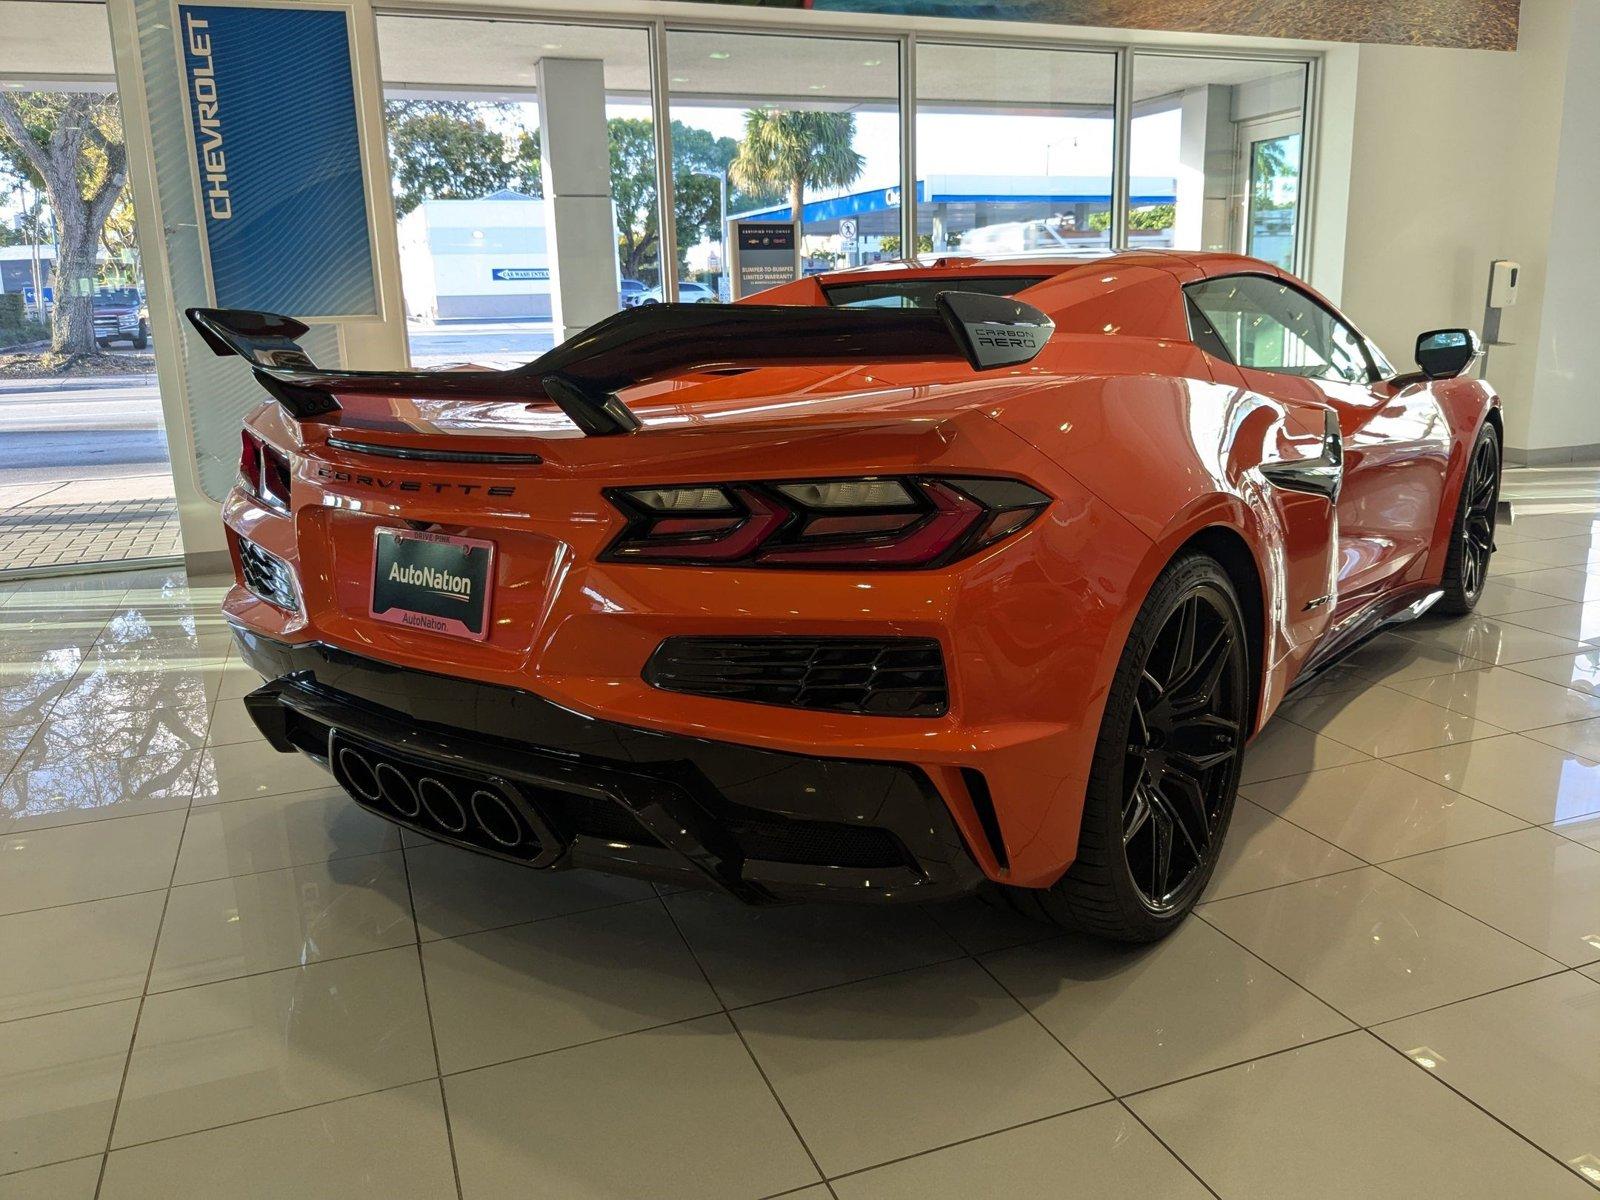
(1541, 889)
(1381, 721)
(77, 954)
(223, 1052)
(1345, 1118)
(755, 954)
(1262, 851)
(51, 787)
(1284, 748)
(58, 1083)
(1146, 1015)
(391, 1144)
(671, 1113)
(74, 1180)
(269, 833)
(556, 983)
(1373, 947)
(275, 919)
(1376, 811)
(255, 769)
(1504, 697)
(1525, 1054)
(456, 891)
(73, 863)
(1101, 1151)
(1515, 774)
(888, 1067)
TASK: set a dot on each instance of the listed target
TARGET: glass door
(1269, 189)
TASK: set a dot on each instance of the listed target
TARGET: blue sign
(28, 295)
(519, 274)
(272, 103)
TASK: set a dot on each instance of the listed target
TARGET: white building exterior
(476, 259)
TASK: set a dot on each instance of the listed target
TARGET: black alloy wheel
(1166, 764)
(1483, 494)
(1472, 537)
(1184, 741)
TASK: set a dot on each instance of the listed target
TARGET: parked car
(986, 588)
(689, 292)
(629, 291)
(120, 315)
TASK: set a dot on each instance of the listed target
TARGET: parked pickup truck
(120, 315)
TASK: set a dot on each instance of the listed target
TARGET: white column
(579, 224)
(1205, 169)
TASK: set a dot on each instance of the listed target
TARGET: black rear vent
(883, 677)
(266, 575)
(818, 843)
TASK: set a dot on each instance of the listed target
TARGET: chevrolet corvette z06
(899, 583)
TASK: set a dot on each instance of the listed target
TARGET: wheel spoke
(1137, 813)
(1161, 853)
(1189, 812)
(1183, 648)
(1196, 687)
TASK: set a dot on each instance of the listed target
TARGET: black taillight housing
(264, 471)
(900, 522)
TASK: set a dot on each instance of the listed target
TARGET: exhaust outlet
(397, 790)
(442, 806)
(496, 818)
(358, 771)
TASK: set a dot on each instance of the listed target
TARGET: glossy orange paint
(1143, 441)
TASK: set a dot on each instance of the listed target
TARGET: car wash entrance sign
(277, 150)
(765, 254)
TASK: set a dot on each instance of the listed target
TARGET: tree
(697, 196)
(786, 151)
(444, 150)
(71, 144)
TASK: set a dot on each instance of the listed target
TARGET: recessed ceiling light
(719, 55)
(816, 87)
(680, 79)
(872, 62)
(552, 45)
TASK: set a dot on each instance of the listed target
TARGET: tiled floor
(65, 523)
(221, 979)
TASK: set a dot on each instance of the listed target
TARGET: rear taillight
(263, 471)
(885, 523)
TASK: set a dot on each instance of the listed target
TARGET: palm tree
(791, 151)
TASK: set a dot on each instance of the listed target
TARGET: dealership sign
(765, 254)
(276, 134)
(519, 274)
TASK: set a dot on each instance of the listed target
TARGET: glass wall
(85, 477)
(1015, 149)
(764, 125)
(465, 152)
(1228, 134)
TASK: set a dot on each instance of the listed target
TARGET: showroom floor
(221, 979)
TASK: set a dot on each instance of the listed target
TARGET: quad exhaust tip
(487, 817)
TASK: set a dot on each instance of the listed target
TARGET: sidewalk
(67, 523)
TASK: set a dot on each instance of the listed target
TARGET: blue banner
(272, 102)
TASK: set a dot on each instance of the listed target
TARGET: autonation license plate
(432, 581)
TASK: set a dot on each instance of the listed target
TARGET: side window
(1266, 324)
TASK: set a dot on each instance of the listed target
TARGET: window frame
(1205, 337)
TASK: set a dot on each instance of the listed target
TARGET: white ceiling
(41, 41)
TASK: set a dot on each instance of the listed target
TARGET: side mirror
(1446, 353)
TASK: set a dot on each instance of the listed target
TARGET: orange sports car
(899, 582)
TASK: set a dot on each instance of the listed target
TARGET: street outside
(84, 474)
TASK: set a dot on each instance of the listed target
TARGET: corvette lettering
(436, 487)
(208, 119)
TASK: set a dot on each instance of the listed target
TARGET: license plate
(433, 582)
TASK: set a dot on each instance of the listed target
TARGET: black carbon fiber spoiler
(582, 375)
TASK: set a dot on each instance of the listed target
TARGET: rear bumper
(539, 784)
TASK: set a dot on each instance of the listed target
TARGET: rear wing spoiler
(583, 375)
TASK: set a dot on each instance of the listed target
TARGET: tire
(1466, 567)
(1189, 632)
(103, 343)
(142, 338)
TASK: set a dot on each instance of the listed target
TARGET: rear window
(921, 293)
